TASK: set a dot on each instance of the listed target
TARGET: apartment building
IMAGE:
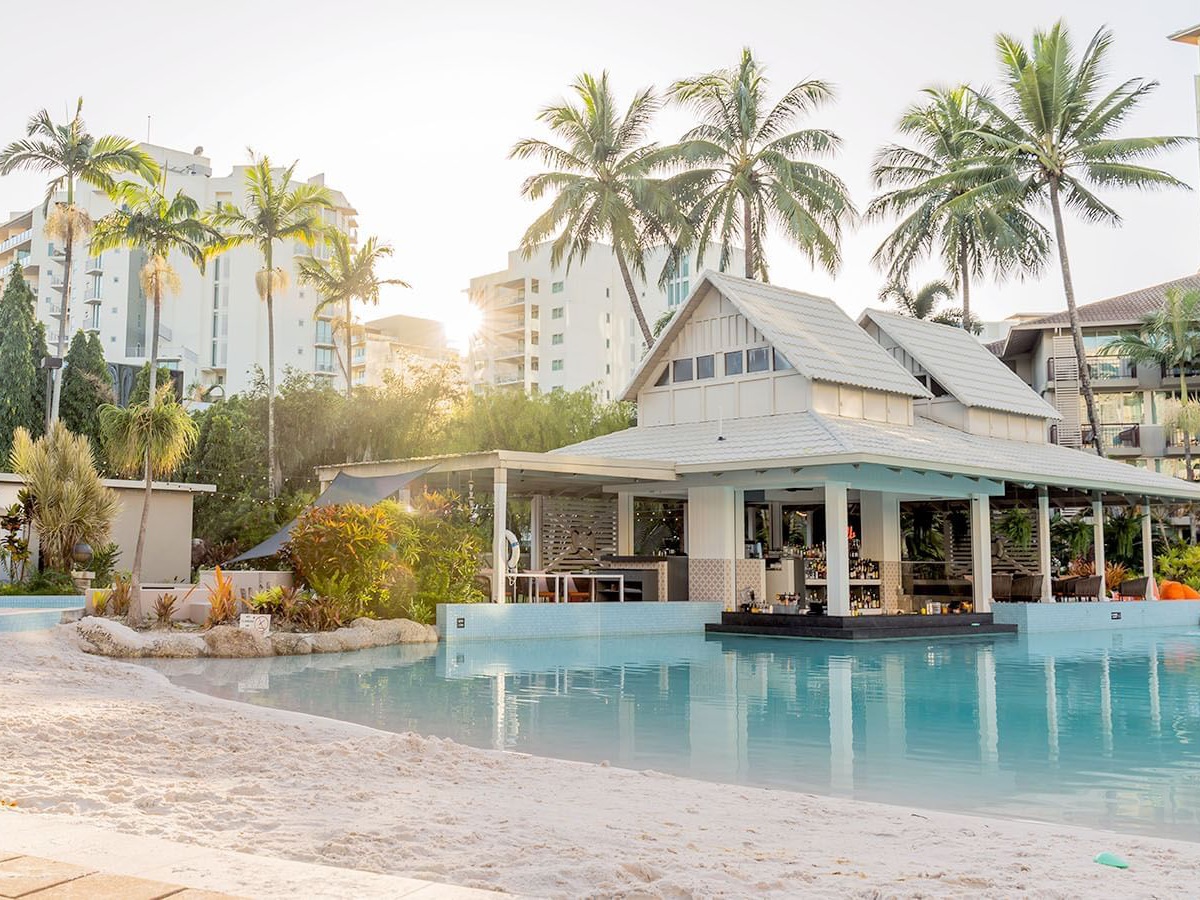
(393, 343)
(544, 327)
(214, 331)
(1134, 402)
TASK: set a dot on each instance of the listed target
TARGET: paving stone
(108, 887)
(27, 874)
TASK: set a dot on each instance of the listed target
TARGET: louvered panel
(577, 532)
(1066, 391)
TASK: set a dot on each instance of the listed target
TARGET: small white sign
(259, 623)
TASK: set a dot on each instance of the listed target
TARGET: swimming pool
(1090, 729)
(35, 613)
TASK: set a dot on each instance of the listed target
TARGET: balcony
(93, 295)
(1118, 438)
(16, 240)
(1100, 368)
(93, 266)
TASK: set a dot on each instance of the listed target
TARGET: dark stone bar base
(857, 628)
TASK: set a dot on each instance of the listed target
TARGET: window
(300, 322)
(556, 338)
(758, 360)
(607, 343)
(780, 361)
(607, 318)
(360, 354)
(324, 359)
(557, 312)
(682, 369)
(534, 285)
(663, 377)
(324, 331)
(734, 363)
(706, 366)
(678, 285)
(607, 369)
(556, 365)
(606, 293)
(556, 287)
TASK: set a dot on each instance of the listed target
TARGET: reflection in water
(1089, 728)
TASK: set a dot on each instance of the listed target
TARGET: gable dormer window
(706, 366)
(682, 370)
(664, 377)
(781, 363)
(758, 359)
(734, 363)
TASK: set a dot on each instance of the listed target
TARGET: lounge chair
(1002, 585)
(1133, 589)
(1090, 587)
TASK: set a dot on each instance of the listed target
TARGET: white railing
(556, 587)
(16, 239)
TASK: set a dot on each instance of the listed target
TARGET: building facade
(1134, 403)
(545, 327)
(394, 343)
(214, 331)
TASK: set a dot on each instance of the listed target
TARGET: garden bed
(108, 637)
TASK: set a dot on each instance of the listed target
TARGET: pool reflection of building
(1047, 727)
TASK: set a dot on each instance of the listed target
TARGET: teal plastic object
(1111, 859)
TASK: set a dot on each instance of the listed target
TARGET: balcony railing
(1100, 368)
(16, 240)
(1116, 436)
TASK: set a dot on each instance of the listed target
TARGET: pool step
(857, 628)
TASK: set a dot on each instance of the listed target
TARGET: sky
(411, 108)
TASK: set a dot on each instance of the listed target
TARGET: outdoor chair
(573, 592)
(1027, 588)
(544, 587)
(1089, 588)
(1064, 588)
(1002, 585)
(1133, 589)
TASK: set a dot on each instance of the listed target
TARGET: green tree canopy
(87, 385)
(19, 394)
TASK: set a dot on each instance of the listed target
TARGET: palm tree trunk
(964, 277)
(56, 393)
(349, 344)
(647, 334)
(135, 577)
(274, 476)
(1085, 378)
(748, 237)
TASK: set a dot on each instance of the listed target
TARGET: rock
(286, 643)
(231, 642)
(173, 646)
(397, 631)
(326, 642)
(354, 638)
(108, 637)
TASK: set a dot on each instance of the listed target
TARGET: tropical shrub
(100, 603)
(1180, 563)
(49, 583)
(164, 609)
(104, 563)
(386, 562)
(120, 595)
(222, 601)
(70, 504)
(1114, 572)
(14, 545)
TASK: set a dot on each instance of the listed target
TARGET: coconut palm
(69, 154)
(348, 275)
(71, 505)
(601, 179)
(275, 211)
(147, 220)
(154, 437)
(921, 181)
(1056, 125)
(921, 303)
(1170, 338)
(748, 169)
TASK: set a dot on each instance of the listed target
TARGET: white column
(499, 526)
(739, 524)
(837, 550)
(981, 553)
(1148, 552)
(1043, 541)
(536, 504)
(1098, 538)
(881, 541)
(625, 524)
(712, 530)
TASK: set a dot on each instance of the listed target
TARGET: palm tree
(748, 169)
(349, 275)
(145, 219)
(602, 182)
(275, 211)
(922, 183)
(919, 304)
(1170, 338)
(1056, 127)
(154, 437)
(68, 153)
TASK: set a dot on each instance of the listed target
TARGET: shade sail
(344, 488)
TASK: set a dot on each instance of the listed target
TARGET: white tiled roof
(813, 333)
(809, 438)
(962, 365)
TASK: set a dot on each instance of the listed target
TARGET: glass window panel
(758, 359)
(682, 369)
(706, 366)
(734, 363)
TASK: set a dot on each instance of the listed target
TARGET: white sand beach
(119, 747)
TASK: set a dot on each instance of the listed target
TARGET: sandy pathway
(119, 746)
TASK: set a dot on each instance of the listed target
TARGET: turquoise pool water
(1093, 728)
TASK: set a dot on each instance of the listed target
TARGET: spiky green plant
(69, 154)
(747, 168)
(919, 303)
(1055, 124)
(275, 210)
(152, 438)
(602, 182)
(349, 275)
(70, 502)
(923, 182)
